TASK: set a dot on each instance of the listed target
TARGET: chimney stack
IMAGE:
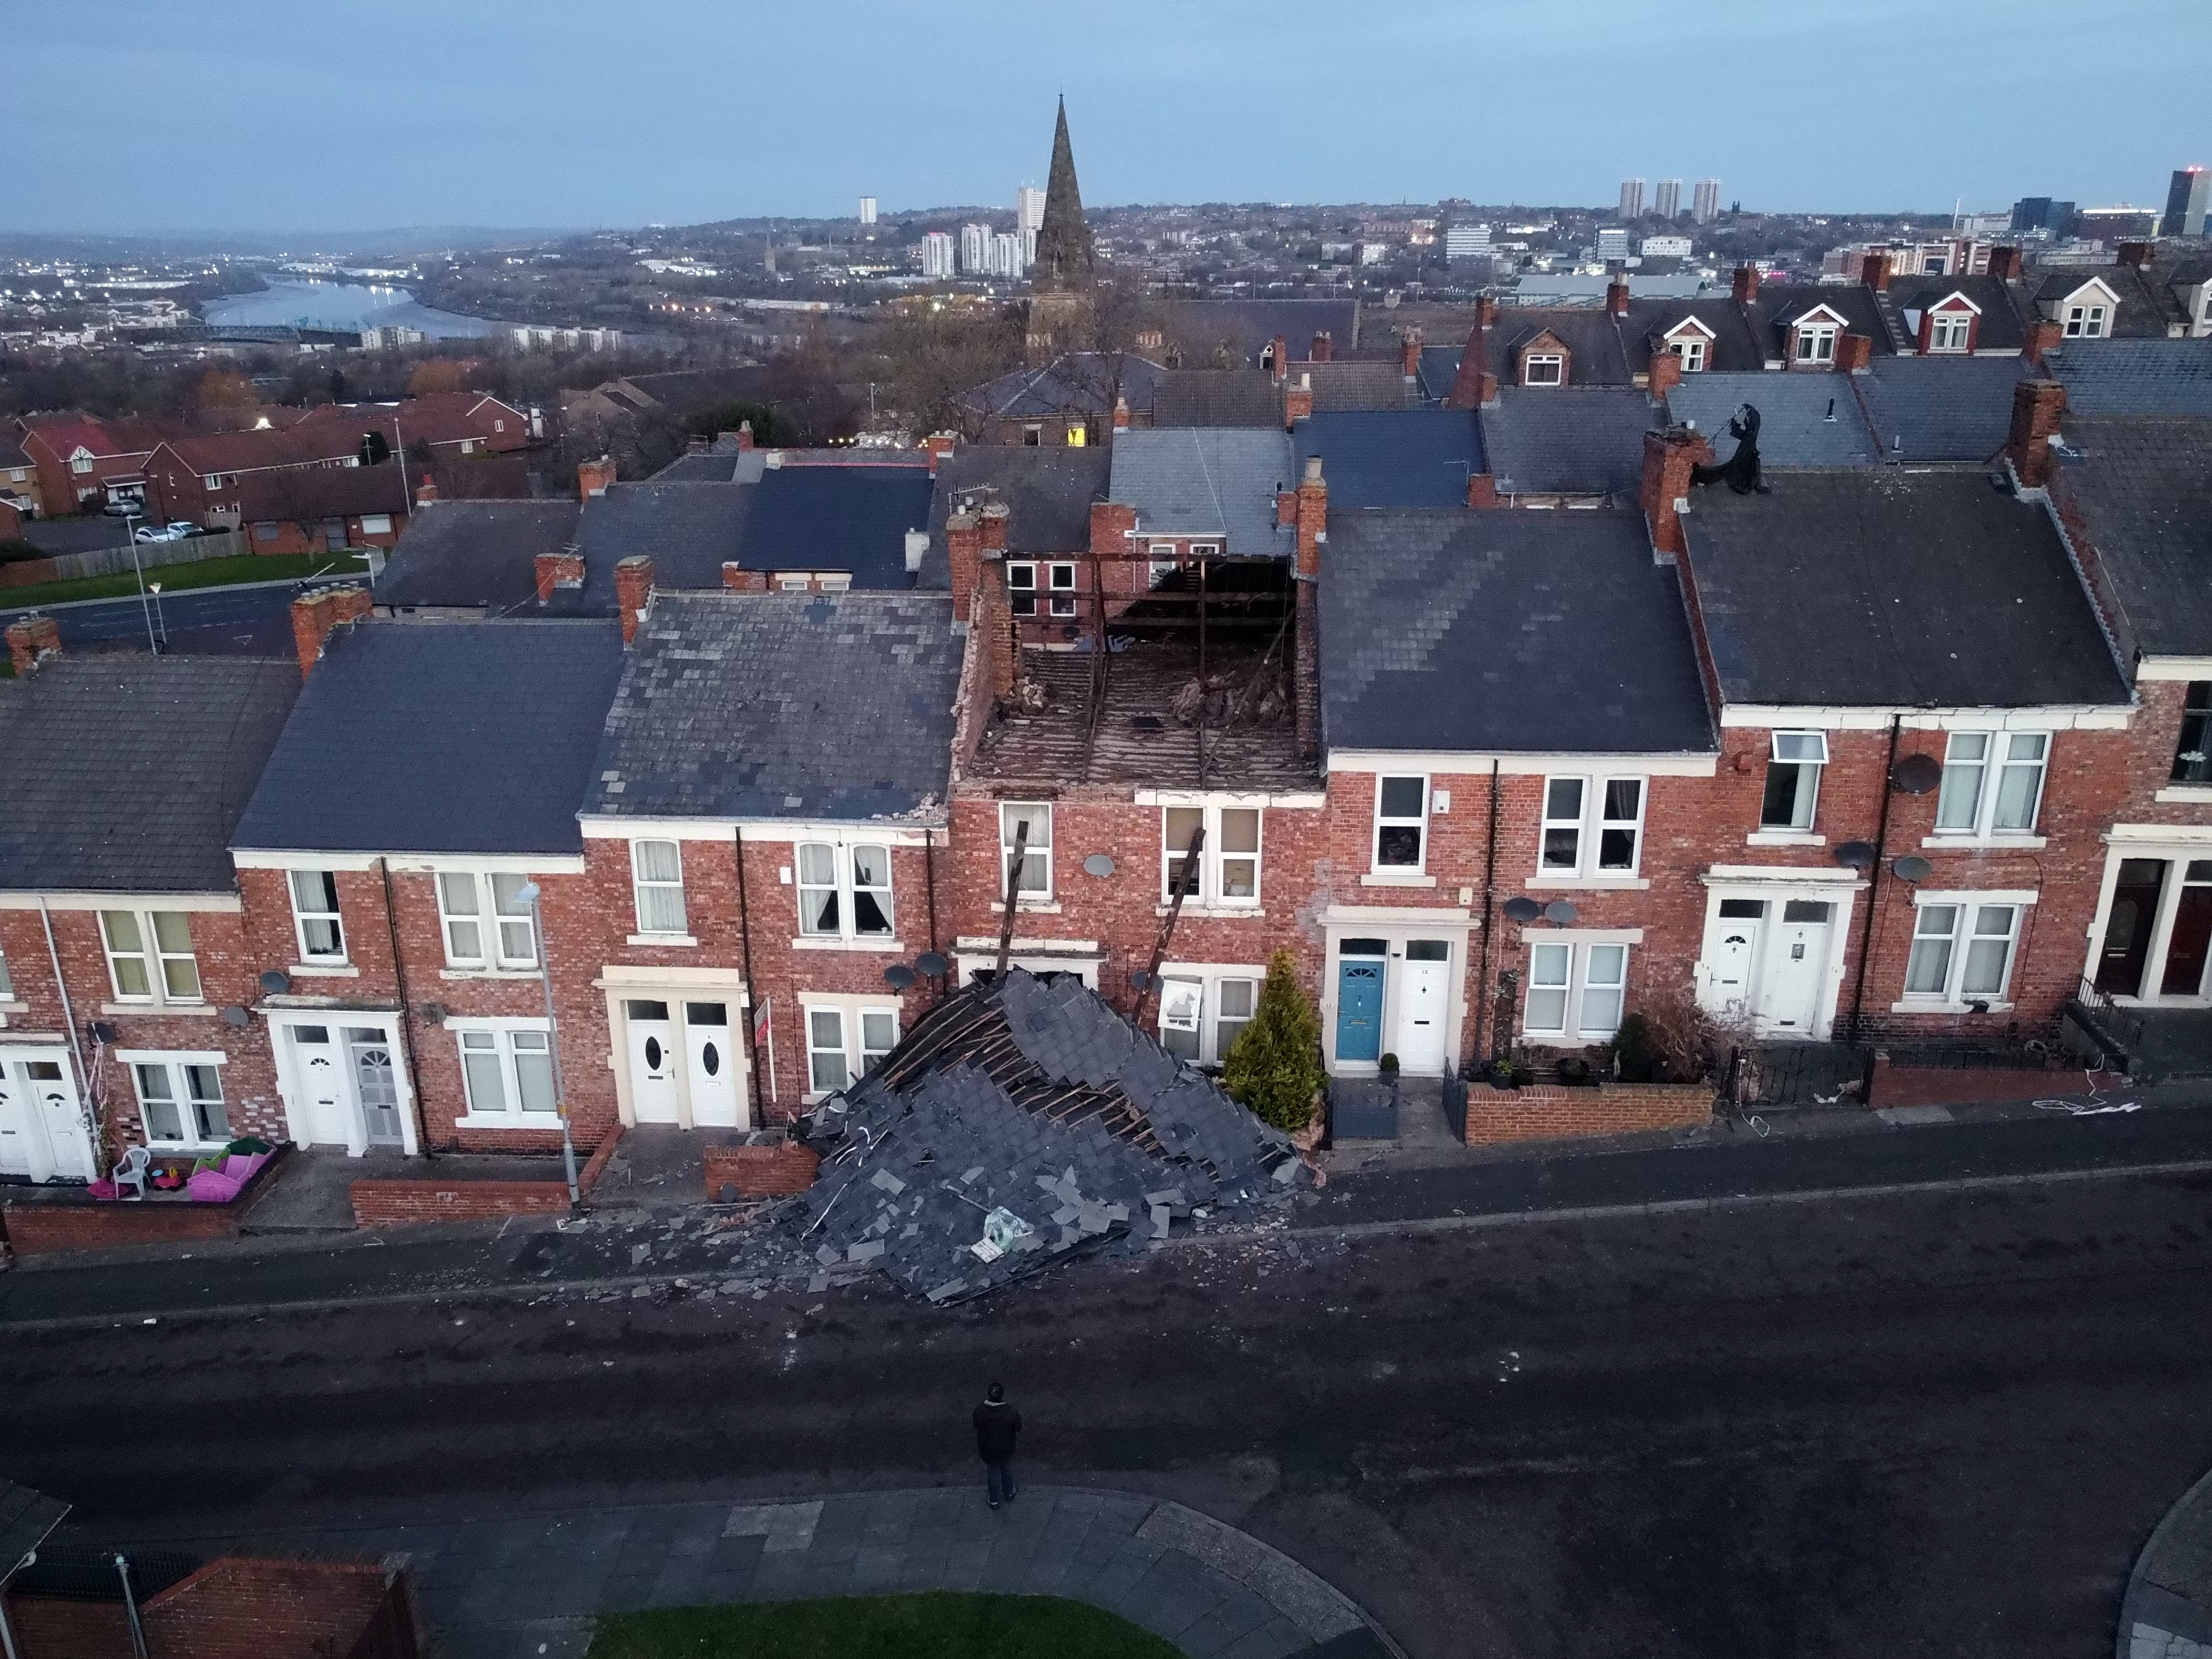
(964, 547)
(427, 491)
(633, 593)
(696, 444)
(556, 570)
(1121, 414)
(1616, 297)
(744, 434)
(1486, 311)
(30, 641)
(2038, 407)
(1324, 350)
(1745, 287)
(1409, 354)
(2044, 337)
(593, 477)
(1313, 531)
(1665, 373)
(738, 580)
(995, 514)
(1874, 272)
(2135, 254)
(1481, 490)
(315, 616)
(1278, 356)
(1854, 354)
(1668, 458)
(2005, 263)
(937, 446)
(1297, 400)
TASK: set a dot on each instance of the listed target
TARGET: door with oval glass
(652, 1060)
(716, 1104)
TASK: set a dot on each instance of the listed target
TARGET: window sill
(487, 973)
(1023, 908)
(9, 1005)
(1592, 884)
(1942, 1006)
(1386, 879)
(308, 970)
(674, 940)
(1218, 912)
(187, 1010)
(2195, 793)
(890, 947)
(2002, 842)
(532, 1120)
(1784, 838)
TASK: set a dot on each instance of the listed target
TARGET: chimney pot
(31, 640)
(773, 460)
(744, 434)
(1121, 414)
(1313, 469)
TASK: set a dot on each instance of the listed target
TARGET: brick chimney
(427, 491)
(995, 620)
(1313, 529)
(1278, 356)
(1286, 508)
(725, 435)
(1616, 297)
(2044, 336)
(1668, 457)
(738, 580)
(558, 570)
(2005, 263)
(1486, 311)
(30, 641)
(593, 477)
(1297, 400)
(995, 514)
(1745, 287)
(744, 434)
(1854, 354)
(1409, 354)
(1481, 490)
(633, 593)
(1874, 272)
(2038, 407)
(1121, 414)
(963, 547)
(1324, 350)
(314, 615)
(2135, 254)
(1665, 373)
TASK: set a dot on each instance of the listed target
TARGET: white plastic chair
(131, 1171)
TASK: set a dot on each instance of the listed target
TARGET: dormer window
(1692, 351)
(1816, 342)
(1948, 331)
(2085, 322)
(1543, 368)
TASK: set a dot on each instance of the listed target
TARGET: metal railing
(2120, 1027)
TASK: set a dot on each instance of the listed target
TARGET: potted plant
(1390, 1069)
(1499, 1073)
(1574, 1071)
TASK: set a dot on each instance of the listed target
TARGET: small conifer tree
(1274, 1065)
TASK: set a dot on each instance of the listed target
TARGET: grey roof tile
(1048, 493)
(853, 518)
(1568, 440)
(465, 554)
(1805, 420)
(2136, 377)
(1206, 481)
(2142, 489)
(1217, 397)
(1942, 409)
(1395, 458)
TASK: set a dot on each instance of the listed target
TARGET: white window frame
(1691, 348)
(1970, 916)
(1598, 966)
(1590, 825)
(1419, 823)
(304, 917)
(1203, 1022)
(1032, 853)
(1997, 759)
(1816, 342)
(641, 885)
(494, 952)
(1164, 562)
(859, 1055)
(1060, 589)
(497, 1038)
(1212, 892)
(2085, 322)
(846, 887)
(1807, 754)
(1555, 361)
(376, 524)
(1949, 331)
(6, 985)
(178, 1069)
(1022, 587)
(153, 959)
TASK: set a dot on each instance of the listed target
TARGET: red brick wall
(294, 536)
(1951, 1085)
(48, 1228)
(240, 1608)
(760, 1171)
(1547, 1114)
(47, 1627)
(389, 1203)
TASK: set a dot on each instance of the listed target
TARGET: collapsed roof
(1025, 1110)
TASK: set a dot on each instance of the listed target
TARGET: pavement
(2166, 1612)
(519, 1586)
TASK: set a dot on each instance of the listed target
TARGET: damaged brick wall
(764, 1171)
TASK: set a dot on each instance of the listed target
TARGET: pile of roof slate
(1019, 1123)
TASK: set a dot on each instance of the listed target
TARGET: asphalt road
(251, 619)
(1918, 1423)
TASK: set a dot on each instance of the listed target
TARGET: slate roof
(1568, 440)
(1048, 494)
(747, 706)
(706, 467)
(26, 1518)
(1394, 457)
(690, 390)
(688, 529)
(1245, 327)
(1804, 420)
(1216, 397)
(1885, 587)
(453, 737)
(1942, 409)
(1439, 369)
(2001, 328)
(1777, 304)
(322, 492)
(2143, 489)
(1206, 481)
(461, 555)
(1356, 385)
(833, 517)
(1075, 383)
(128, 773)
(2136, 377)
(2146, 309)
(1502, 630)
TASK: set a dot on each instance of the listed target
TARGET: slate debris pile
(1027, 1117)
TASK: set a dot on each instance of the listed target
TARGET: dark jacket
(995, 1428)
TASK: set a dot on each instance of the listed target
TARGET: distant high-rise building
(975, 249)
(1669, 201)
(1632, 198)
(1005, 253)
(1613, 243)
(1664, 247)
(2186, 200)
(1466, 242)
(939, 251)
(867, 209)
(1705, 205)
(1029, 208)
(2042, 213)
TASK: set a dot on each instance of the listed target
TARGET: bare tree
(937, 358)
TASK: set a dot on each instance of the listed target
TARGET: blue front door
(1358, 1008)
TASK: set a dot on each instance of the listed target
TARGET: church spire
(1064, 254)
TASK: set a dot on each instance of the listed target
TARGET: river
(315, 304)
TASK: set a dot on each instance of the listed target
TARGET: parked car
(126, 509)
(165, 532)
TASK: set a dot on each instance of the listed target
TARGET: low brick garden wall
(1549, 1113)
(1962, 1085)
(72, 1220)
(770, 1170)
(408, 1199)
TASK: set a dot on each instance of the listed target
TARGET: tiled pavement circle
(523, 1586)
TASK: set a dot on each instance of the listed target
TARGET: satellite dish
(1856, 855)
(1916, 774)
(1098, 864)
(276, 983)
(102, 1031)
(1138, 979)
(1912, 868)
(434, 1012)
(1561, 910)
(932, 964)
(898, 977)
(1522, 908)
(235, 1015)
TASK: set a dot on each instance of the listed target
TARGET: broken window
(1022, 589)
(1202, 1012)
(1035, 882)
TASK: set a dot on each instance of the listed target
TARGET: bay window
(315, 919)
(1992, 782)
(657, 877)
(844, 892)
(1229, 861)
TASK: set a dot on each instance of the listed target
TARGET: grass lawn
(941, 1624)
(175, 577)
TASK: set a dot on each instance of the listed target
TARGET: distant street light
(529, 894)
(130, 532)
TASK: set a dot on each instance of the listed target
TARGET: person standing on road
(996, 1424)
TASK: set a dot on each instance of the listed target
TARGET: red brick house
(449, 422)
(82, 463)
(323, 508)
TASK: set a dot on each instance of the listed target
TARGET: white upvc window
(1961, 951)
(1022, 589)
(1036, 881)
(657, 875)
(2085, 322)
(1574, 990)
(1691, 348)
(486, 922)
(1164, 563)
(1543, 368)
(376, 524)
(1060, 589)
(1816, 342)
(1401, 824)
(1948, 331)
(1992, 783)
(843, 1044)
(316, 924)
(1592, 827)
(180, 1102)
(149, 956)
(1201, 1016)
(507, 1067)
(844, 892)
(1229, 863)
(7, 986)
(1793, 780)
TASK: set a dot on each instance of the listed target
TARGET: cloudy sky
(353, 114)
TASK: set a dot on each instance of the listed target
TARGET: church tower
(1061, 280)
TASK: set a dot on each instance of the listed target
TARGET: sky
(330, 115)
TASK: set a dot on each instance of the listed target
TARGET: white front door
(1734, 955)
(1796, 967)
(1424, 997)
(651, 1060)
(323, 1108)
(42, 1130)
(714, 1066)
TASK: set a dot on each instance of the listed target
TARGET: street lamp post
(131, 530)
(529, 895)
(160, 620)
